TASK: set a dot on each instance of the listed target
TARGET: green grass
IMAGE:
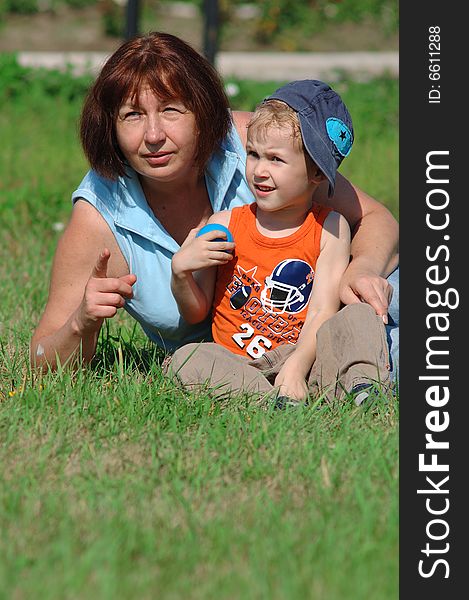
(115, 484)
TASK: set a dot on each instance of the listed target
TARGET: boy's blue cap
(325, 123)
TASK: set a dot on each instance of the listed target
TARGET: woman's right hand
(103, 296)
(89, 282)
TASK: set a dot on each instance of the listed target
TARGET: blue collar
(134, 214)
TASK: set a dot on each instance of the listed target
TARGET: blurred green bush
(285, 22)
(27, 83)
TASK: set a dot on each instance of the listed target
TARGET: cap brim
(328, 168)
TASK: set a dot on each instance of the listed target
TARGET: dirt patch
(68, 29)
(82, 30)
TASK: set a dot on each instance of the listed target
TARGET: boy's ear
(316, 175)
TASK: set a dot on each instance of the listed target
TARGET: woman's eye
(174, 109)
(131, 115)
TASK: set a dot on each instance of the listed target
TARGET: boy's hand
(202, 252)
(291, 382)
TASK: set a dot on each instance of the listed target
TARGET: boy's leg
(270, 364)
(272, 361)
(209, 363)
(351, 350)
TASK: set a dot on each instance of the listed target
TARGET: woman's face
(158, 138)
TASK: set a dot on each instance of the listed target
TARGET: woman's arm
(241, 120)
(374, 248)
(194, 269)
(89, 282)
(324, 302)
(375, 235)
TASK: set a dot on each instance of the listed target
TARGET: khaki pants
(351, 349)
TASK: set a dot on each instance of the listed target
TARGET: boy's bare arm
(374, 246)
(193, 270)
(324, 302)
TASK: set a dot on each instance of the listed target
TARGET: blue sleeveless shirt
(147, 246)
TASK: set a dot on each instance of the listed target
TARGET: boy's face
(277, 170)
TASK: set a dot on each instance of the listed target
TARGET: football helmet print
(288, 288)
(240, 296)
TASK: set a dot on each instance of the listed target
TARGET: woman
(165, 153)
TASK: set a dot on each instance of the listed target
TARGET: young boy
(273, 287)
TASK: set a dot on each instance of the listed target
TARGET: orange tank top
(262, 295)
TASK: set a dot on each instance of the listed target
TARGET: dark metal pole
(211, 28)
(132, 19)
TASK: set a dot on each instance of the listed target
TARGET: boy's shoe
(367, 392)
(362, 392)
(284, 402)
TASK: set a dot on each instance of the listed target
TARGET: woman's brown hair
(173, 70)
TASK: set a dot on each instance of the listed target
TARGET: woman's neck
(158, 193)
(178, 206)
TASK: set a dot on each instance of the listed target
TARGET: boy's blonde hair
(278, 114)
